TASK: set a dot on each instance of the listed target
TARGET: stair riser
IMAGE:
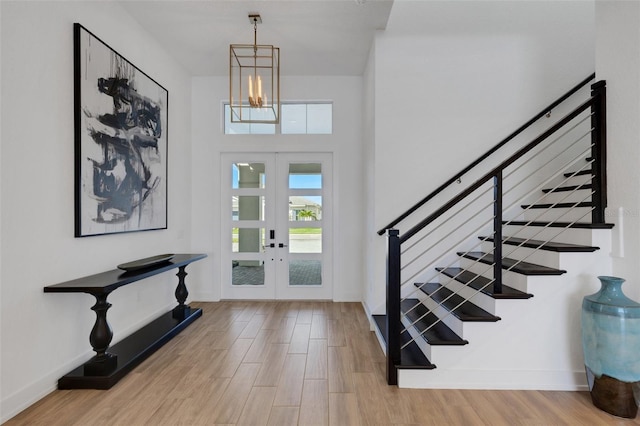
(585, 237)
(422, 344)
(484, 301)
(450, 320)
(539, 257)
(579, 214)
(574, 180)
(424, 272)
(566, 197)
(512, 279)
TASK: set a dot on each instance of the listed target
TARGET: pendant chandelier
(254, 80)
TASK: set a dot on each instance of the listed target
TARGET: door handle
(271, 245)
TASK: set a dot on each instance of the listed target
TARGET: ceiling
(315, 37)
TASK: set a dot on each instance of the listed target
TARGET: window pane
(247, 175)
(247, 240)
(247, 272)
(294, 119)
(305, 240)
(319, 119)
(305, 272)
(234, 128)
(305, 208)
(305, 176)
(248, 128)
(247, 207)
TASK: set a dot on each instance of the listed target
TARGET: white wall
(454, 78)
(618, 62)
(209, 142)
(44, 336)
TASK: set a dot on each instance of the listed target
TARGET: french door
(276, 226)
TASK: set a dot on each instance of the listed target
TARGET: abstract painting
(120, 142)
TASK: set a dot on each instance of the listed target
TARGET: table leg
(100, 338)
(181, 294)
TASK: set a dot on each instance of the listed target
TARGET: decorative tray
(146, 262)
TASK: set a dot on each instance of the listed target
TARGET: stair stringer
(537, 343)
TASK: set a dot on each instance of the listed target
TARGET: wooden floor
(288, 363)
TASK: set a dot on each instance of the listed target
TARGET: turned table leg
(100, 338)
(181, 294)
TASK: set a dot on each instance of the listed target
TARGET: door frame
(275, 260)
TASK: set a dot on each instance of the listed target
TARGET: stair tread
(437, 331)
(576, 225)
(483, 284)
(545, 245)
(567, 188)
(467, 311)
(580, 173)
(524, 268)
(557, 205)
(411, 356)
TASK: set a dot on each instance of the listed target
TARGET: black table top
(106, 282)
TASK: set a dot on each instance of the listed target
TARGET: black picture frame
(121, 163)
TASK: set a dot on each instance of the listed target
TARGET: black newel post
(599, 150)
(497, 233)
(393, 306)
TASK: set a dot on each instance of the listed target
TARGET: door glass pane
(247, 240)
(247, 207)
(247, 272)
(247, 175)
(305, 272)
(305, 209)
(305, 240)
(305, 176)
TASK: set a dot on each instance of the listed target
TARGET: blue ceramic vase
(611, 347)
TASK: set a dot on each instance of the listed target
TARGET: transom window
(295, 119)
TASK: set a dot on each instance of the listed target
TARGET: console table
(110, 364)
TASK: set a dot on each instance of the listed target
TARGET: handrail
(551, 130)
(487, 154)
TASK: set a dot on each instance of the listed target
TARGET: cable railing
(505, 191)
(474, 231)
(514, 249)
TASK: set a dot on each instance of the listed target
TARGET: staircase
(475, 282)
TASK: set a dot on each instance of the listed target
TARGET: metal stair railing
(497, 179)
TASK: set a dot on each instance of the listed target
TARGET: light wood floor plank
(253, 327)
(339, 370)
(257, 409)
(230, 405)
(335, 333)
(300, 339)
(272, 365)
(371, 403)
(318, 326)
(289, 390)
(317, 360)
(314, 407)
(260, 346)
(284, 416)
(343, 409)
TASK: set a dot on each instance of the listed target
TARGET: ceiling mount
(255, 18)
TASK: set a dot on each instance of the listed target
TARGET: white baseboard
(487, 379)
(205, 296)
